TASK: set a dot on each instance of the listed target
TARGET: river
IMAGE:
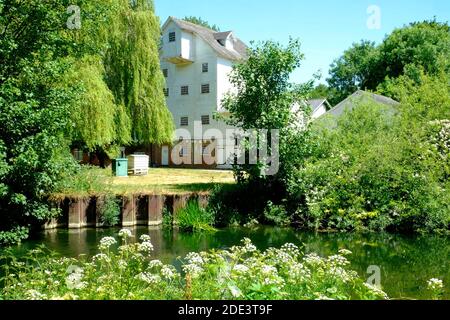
(406, 262)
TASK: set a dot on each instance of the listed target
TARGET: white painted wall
(196, 104)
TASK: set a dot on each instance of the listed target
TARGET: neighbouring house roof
(317, 103)
(360, 96)
(211, 37)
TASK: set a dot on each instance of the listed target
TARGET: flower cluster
(241, 272)
(107, 242)
(435, 284)
(125, 233)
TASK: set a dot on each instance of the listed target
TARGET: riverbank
(160, 181)
(406, 262)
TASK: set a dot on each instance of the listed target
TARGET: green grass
(97, 181)
(194, 218)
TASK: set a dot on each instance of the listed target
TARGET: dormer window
(225, 39)
(172, 36)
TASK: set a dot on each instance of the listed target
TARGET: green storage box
(120, 167)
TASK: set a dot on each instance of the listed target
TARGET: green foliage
(420, 46)
(194, 218)
(109, 210)
(353, 71)
(199, 21)
(277, 214)
(242, 272)
(83, 181)
(14, 235)
(34, 111)
(383, 169)
(96, 112)
(133, 73)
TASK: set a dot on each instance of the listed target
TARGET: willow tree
(99, 123)
(133, 71)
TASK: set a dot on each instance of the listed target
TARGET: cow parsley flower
(435, 284)
(240, 268)
(125, 233)
(149, 278)
(146, 247)
(168, 272)
(145, 238)
(107, 242)
(194, 258)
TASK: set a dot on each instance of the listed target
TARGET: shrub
(109, 210)
(242, 272)
(277, 214)
(194, 218)
(379, 169)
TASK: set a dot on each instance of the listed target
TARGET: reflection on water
(406, 262)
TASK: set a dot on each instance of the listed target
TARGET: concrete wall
(136, 210)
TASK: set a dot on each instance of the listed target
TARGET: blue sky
(325, 27)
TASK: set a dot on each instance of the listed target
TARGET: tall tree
(199, 21)
(34, 111)
(263, 99)
(133, 72)
(408, 50)
(353, 70)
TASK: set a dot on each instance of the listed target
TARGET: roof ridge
(194, 24)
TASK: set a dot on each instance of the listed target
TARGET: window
(205, 88)
(205, 67)
(184, 121)
(166, 92)
(172, 37)
(183, 152)
(205, 119)
(78, 154)
(184, 90)
(165, 73)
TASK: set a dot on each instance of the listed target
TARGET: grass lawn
(93, 180)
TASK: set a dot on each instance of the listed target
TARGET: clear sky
(325, 27)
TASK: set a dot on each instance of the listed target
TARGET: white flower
(193, 270)
(338, 260)
(122, 264)
(74, 280)
(194, 258)
(145, 247)
(240, 268)
(155, 263)
(106, 242)
(35, 295)
(125, 233)
(435, 284)
(376, 290)
(313, 259)
(100, 257)
(145, 238)
(248, 245)
(168, 272)
(269, 270)
(149, 278)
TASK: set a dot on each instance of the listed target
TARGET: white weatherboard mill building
(196, 62)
